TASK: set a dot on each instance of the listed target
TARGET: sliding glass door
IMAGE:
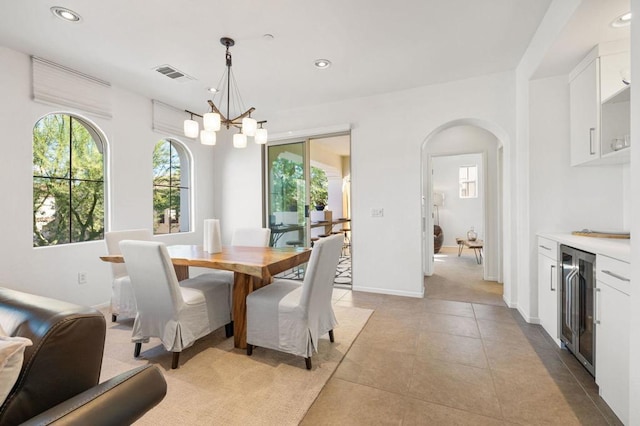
(288, 194)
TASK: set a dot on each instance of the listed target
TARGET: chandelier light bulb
(261, 136)
(239, 140)
(211, 121)
(207, 137)
(191, 128)
(249, 126)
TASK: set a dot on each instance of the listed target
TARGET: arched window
(171, 192)
(68, 181)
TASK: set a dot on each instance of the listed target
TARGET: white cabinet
(598, 107)
(584, 113)
(612, 313)
(548, 286)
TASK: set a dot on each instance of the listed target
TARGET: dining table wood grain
(252, 267)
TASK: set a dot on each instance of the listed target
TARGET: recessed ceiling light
(65, 14)
(322, 63)
(622, 20)
(212, 89)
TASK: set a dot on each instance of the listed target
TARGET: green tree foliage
(319, 187)
(68, 182)
(166, 188)
(287, 179)
(285, 175)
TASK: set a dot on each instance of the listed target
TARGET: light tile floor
(449, 362)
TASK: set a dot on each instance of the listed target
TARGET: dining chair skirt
(177, 313)
(123, 301)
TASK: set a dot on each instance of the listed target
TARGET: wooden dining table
(252, 267)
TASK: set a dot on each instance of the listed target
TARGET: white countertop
(613, 247)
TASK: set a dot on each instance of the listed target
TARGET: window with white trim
(171, 189)
(468, 181)
(68, 181)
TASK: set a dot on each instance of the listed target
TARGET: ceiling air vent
(173, 73)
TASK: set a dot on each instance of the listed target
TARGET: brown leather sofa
(58, 383)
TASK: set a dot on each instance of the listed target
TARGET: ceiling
(375, 46)
(589, 26)
(339, 145)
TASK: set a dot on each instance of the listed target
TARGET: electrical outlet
(377, 212)
(82, 277)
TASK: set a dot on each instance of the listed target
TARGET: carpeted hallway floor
(460, 278)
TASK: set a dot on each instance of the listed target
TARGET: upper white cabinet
(584, 95)
(599, 106)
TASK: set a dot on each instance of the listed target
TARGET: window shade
(168, 119)
(59, 85)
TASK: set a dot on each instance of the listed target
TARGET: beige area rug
(217, 384)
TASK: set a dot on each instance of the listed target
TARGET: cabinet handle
(591, 131)
(568, 286)
(614, 275)
(596, 319)
(553, 267)
(545, 247)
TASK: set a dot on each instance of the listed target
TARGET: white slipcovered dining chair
(251, 237)
(290, 317)
(177, 313)
(248, 237)
(123, 301)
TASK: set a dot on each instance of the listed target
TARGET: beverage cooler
(577, 328)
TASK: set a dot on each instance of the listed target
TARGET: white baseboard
(527, 318)
(391, 292)
(509, 304)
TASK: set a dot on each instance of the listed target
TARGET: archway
(464, 137)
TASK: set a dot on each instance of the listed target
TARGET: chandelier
(214, 119)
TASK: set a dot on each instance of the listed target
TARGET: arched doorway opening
(467, 155)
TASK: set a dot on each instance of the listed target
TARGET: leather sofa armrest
(120, 400)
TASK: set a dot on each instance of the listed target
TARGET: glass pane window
(468, 181)
(68, 181)
(287, 186)
(171, 193)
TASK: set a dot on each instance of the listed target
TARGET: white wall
(565, 198)
(52, 271)
(523, 295)
(458, 215)
(334, 202)
(237, 199)
(386, 168)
